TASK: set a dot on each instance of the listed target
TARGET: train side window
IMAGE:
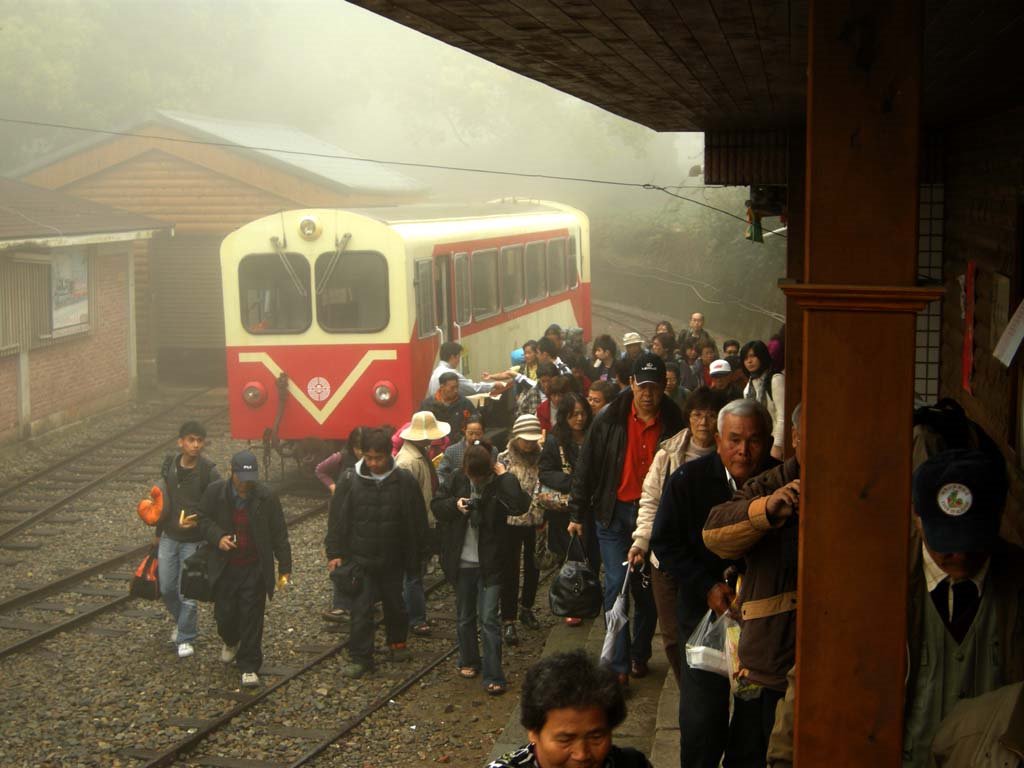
(574, 265)
(484, 277)
(352, 292)
(273, 291)
(556, 265)
(536, 277)
(513, 291)
(425, 298)
(463, 308)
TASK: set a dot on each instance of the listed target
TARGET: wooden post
(794, 274)
(858, 301)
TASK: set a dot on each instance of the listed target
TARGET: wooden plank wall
(984, 169)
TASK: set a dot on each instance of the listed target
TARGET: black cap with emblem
(959, 496)
(649, 369)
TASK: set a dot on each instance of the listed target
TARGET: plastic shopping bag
(705, 649)
(739, 684)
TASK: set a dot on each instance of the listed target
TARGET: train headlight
(384, 393)
(254, 394)
(309, 228)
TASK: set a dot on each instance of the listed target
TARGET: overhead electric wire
(378, 161)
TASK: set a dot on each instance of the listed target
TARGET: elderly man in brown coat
(760, 525)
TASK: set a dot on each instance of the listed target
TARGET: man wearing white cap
(522, 460)
(632, 345)
(412, 456)
(722, 380)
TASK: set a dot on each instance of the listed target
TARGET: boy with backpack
(184, 478)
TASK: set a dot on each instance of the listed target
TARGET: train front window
(273, 290)
(352, 292)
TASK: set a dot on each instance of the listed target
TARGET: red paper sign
(967, 361)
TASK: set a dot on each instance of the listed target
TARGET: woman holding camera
(474, 539)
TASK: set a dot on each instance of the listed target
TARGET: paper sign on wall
(1011, 339)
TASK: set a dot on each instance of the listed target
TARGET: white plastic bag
(706, 647)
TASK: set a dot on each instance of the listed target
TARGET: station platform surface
(652, 704)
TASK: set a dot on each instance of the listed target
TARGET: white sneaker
(250, 679)
(174, 636)
(228, 653)
(185, 650)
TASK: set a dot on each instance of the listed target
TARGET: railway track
(33, 499)
(317, 741)
(87, 594)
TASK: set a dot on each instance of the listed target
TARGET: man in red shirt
(606, 489)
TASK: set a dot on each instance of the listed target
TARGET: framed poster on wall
(69, 292)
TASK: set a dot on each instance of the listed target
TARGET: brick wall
(984, 179)
(75, 376)
(9, 397)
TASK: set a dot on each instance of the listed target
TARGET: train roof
(405, 214)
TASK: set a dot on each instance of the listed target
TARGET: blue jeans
(475, 601)
(415, 599)
(170, 556)
(614, 541)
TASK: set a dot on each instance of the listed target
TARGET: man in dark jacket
(242, 521)
(608, 484)
(185, 478)
(743, 447)
(376, 525)
(760, 525)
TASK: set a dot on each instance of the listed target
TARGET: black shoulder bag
(576, 590)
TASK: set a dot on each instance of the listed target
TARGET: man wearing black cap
(242, 521)
(966, 597)
(607, 485)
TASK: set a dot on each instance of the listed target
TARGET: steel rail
(62, 584)
(9, 489)
(52, 507)
(189, 743)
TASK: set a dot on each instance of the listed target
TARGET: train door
(443, 296)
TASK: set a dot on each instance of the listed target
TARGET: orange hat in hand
(150, 509)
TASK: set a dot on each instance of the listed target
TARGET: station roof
(41, 217)
(287, 148)
(705, 65)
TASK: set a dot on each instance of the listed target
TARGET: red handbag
(146, 582)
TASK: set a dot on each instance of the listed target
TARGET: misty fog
(380, 90)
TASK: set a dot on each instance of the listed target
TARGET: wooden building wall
(206, 192)
(984, 174)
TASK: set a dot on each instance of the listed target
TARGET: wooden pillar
(858, 302)
(796, 193)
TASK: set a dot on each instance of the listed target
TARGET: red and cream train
(333, 318)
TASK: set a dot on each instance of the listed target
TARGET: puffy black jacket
(595, 480)
(551, 472)
(500, 498)
(378, 523)
(266, 524)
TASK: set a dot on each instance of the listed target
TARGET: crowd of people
(665, 457)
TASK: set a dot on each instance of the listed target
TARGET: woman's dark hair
(562, 431)
(547, 346)
(605, 342)
(355, 440)
(561, 385)
(474, 418)
(707, 345)
(377, 440)
(673, 366)
(668, 327)
(546, 369)
(570, 680)
(667, 341)
(476, 462)
(760, 349)
(703, 399)
(532, 344)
